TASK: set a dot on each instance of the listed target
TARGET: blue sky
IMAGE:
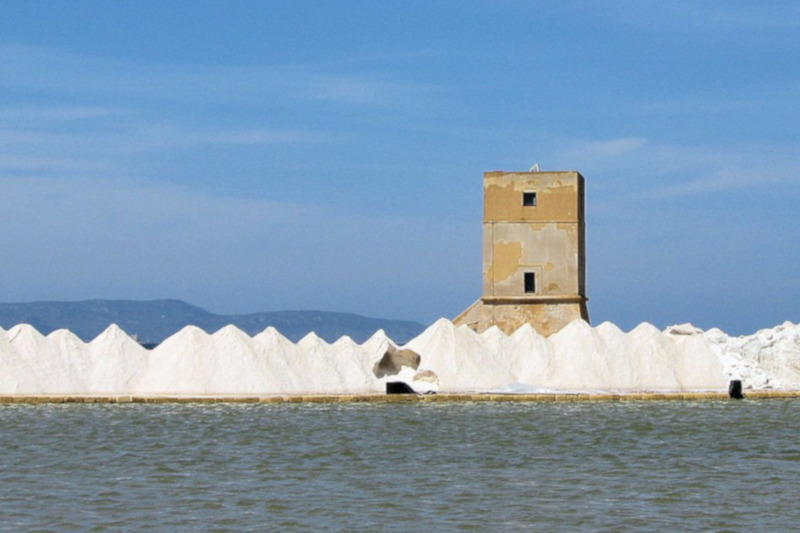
(253, 156)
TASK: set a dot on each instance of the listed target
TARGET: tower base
(546, 316)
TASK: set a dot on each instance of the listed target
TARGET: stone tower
(534, 260)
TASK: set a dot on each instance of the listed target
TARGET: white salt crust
(579, 358)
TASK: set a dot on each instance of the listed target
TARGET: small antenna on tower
(535, 168)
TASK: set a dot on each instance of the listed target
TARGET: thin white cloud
(12, 164)
(249, 137)
(118, 111)
(636, 169)
(60, 113)
(80, 139)
(727, 179)
(761, 98)
(611, 148)
(58, 72)
(346, 89)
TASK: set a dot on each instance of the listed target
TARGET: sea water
(594, 466)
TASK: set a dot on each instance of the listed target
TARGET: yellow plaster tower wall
(533, 252)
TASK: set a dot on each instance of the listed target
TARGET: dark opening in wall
(530, 282)
(529, 199)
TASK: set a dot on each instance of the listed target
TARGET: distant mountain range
(154, 320)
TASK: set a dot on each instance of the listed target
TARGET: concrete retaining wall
(401, 398)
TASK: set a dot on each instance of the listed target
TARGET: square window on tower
(529, 199)
(530, 282)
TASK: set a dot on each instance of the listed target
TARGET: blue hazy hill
(152, 321)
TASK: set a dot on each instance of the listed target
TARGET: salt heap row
(453, 359)
(191, 362)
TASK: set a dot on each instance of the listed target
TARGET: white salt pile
(453, 359)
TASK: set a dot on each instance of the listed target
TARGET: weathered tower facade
(534, 260)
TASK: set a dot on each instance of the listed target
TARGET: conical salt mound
(460, 358)
(281, 355)
(378, 339)
(344, 342)
(16, 374)
(578, 360)
(38, 366)
(529, 356)
(269, 335)
(118, 361)
(194, 362)
(239, 367)
(662, 361)
(605, 358)
(74, 358)
(329, 369)
(376, 346)
(177, 365)
(696, 365)
(494, 334)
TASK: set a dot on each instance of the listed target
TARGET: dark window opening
(530, 282)
(529, 199)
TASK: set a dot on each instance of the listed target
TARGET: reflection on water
(710, 466)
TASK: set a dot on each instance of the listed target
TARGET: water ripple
(615, 466)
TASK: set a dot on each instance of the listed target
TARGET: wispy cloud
(657, 196)
(606, 149)
(58, 72)
(93, 141)
(728, 179)
(13, 164)
(251, 137)
(97, 147)
(49, 114)
(638, 169)
(104, 115)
